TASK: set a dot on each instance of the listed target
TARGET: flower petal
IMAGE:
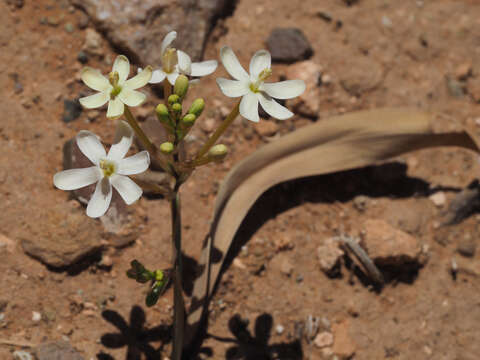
(140, 80)
(157, 76)
(73, 179)
(94, 79)
(132, 97)
(260, 61)
(172, 77)
(122, 141)
(184, 62)
(204, 68)
(273, 108)
(284, 89)
(232, 88)
(100, 200)
(167, 40)
(122, 66)
(90, 146)
(126, 187)
(95, 100)
(115, 108)
(231, 64)
(135, 164)
(249, 107)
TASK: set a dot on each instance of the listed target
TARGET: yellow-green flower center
(169, 60)
(113, 78)
(264, 75)
(108, 167)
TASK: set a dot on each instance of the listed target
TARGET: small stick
(17, 343)
(367, 263)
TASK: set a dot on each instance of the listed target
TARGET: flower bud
(188, 120)
(172, 99)
(197, 107)
(181, 86)
(166, 148)
(162, 114)
(177, 108)
(218, 152)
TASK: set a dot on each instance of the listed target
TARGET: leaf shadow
(134, 336)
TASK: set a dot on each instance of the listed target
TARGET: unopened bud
(197, 107)
(218, 152)
(172, 99)
(177, 108)
(162, 114)
(188, 120)
(181, 86)
(166, 148)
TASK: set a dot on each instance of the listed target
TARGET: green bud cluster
(159, 280)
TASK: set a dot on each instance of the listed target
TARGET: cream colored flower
(176, 62)
(252, 88)
(116, 89)
(108, 170)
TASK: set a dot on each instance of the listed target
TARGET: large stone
(288, 45)
(389, 246)
(73, 236)
(59, 350)
(343, 346)
(137, 27)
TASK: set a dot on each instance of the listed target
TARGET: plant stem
(179, 307)
(220, 130)
(167, 89)
(138, 131)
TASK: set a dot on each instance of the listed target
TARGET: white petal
(94, 79)
(115, 108)
(167, 40)
(231, 64)
(273, 108)
(184, 62)
(90, 146)
(249, 107)
(135, 164)
(100, 200)
(140, 80)
(204, 68)
(260, 61)
(122, 66)
(172, 77)
(95, 100)
(122, 141)
(132, 97)
(126, 187)
(232, 88)
(76, 178)
(284, 89)
(157, 76)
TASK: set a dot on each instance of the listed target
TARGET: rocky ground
(292, 291)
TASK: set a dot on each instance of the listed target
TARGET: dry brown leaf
(340, 143)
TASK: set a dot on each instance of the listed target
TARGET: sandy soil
(412, 46)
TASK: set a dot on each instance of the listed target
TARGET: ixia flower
(108, 170)
(176, 62)
(116, 89)
(252, 88)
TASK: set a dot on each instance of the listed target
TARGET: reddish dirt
(413, 45)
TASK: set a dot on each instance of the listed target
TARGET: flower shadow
(248, 346)
(134, 336)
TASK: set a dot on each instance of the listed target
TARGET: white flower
(252, 87)
(115, 89)
(176, 62)
(108, 170)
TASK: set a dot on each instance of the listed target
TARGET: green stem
(179, 307)
(167, 90)
(138, 131)
(220, 130)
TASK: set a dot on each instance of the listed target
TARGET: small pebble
(279, 329)
(323, 339)
(438, 198)
(36, 316)
(69, 28)
(22, 355)
(467, 248)
(82, 57)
